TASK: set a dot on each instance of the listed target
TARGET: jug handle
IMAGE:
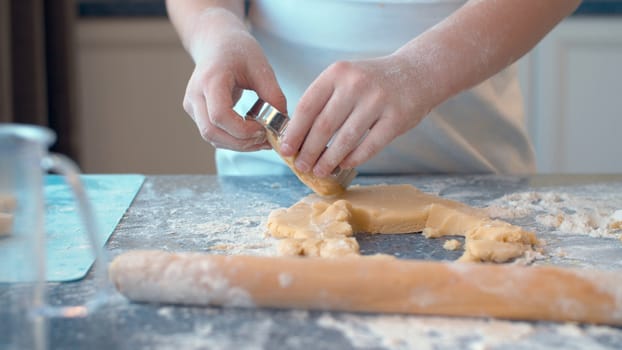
(70, 171)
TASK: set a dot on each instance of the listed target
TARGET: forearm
(480, 39)
(215, 15)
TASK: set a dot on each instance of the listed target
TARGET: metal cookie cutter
(276, 122)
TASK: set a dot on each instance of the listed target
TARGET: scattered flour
(241, 231)
(204, 336)
(563, 212)
(196, 217)
(405, 332)
(285, 280)
(423, 333)
(166, 312)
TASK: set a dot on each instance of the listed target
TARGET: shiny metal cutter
(276, 122)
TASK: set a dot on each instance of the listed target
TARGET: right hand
(227, 60)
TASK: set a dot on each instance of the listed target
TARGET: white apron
(481, 130)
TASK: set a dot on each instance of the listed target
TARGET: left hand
(362, 106)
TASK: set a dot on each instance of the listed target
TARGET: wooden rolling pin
(371, 284)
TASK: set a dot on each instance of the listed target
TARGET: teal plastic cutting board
(69, 256)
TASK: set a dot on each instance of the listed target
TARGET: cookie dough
(323, 226)
(452, 244)
(326, 186)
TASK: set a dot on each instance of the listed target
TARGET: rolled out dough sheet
(323, 226)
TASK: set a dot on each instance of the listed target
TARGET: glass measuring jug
(24, 158)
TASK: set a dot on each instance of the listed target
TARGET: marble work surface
(226, 215)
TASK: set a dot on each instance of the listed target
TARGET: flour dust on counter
(429, 333)
(256, 329)
(229, 216)
(179, 214)
(206, 336)
(579, 226)
(200, 217)
(564, 212)
(175, 327)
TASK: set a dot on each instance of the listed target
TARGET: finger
(324, 127)
(219, 99)
(346, 139)
(309, 107)
(221, 139)
(264, 83)
(263, 146)
(218, 137)
(380, 135)
(191, 97)
(188, 105)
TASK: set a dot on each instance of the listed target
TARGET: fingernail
(286, 149)
(259, 133)
(319, 172)
(302, 166)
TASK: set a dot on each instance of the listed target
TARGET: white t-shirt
(477, 131)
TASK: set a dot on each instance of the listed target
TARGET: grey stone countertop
(226, 215)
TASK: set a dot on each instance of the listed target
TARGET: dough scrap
(318, 247)
(323, 226)
(452, 244)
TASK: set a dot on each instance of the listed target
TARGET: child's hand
(364, 105)
(228, 59)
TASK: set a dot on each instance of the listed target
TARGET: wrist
(211, 25)
(425, 82)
